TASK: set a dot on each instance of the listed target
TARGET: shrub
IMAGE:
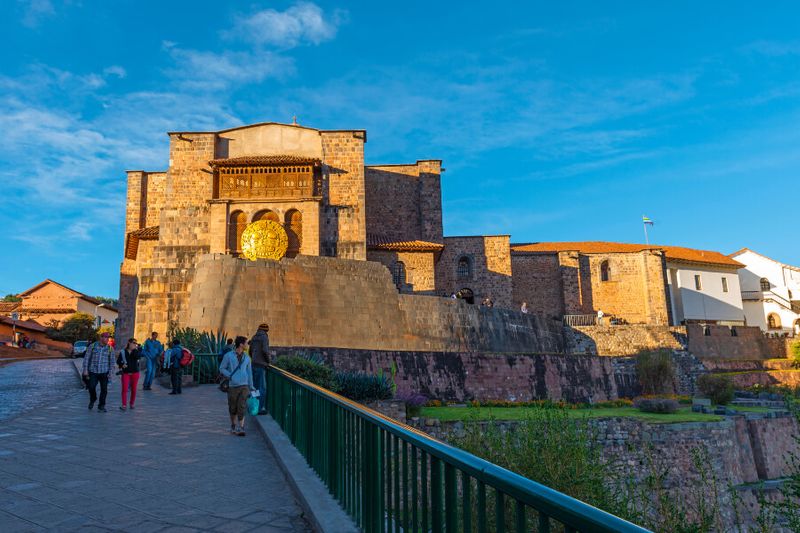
(795, 351)
(309, 370)
(362, 387)
(414, 402)
(655, 371)
(719, 389)
(656, 405)
(77, 327)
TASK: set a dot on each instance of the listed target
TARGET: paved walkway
(170, 465)
(29, 384)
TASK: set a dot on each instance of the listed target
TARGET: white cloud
(115, 70)
(34, 11)
(79, 231)
(304, 22)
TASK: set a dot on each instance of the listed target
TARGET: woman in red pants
(128, 362)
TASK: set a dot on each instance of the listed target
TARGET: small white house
(770, 293)
(703, 287)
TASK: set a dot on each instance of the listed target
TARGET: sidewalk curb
(321, 509)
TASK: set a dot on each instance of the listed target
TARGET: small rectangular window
(724, 284)
(697, 284)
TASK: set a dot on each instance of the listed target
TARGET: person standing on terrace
(152, 351)
(259, 352)
(237, 367)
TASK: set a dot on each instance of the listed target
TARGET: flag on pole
(646, 220)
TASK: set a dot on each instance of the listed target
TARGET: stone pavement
(29, 384)
(170, 465)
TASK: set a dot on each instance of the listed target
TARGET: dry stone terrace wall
(320, 301)
(623, 340)
(486, 376)
(748, 343)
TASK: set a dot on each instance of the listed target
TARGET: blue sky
(555, 122)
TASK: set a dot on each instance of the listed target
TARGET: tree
(77, 327)
(11, 298)
(113, 302)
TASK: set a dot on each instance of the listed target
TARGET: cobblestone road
(170, 465)
(30, 384)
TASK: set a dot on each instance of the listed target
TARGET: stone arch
(773, 321)
(605, 271)
(467, 295)
(237, 222)
(266, 214)
(399, 274)
(294, 230)
(765, 286)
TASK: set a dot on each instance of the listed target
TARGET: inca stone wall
(737, 342)
(319, 301)
(459, 376)
(490, 258)
(537, 281)
(623, 339)
(419, 268)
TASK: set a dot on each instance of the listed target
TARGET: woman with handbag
(237, 368)
(128, 363)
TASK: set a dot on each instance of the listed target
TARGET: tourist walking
(237, 367)
(259, 353)
(172, 359)
(98, 365)
(152, 351)
(524, 308)
(225, 349)
(600, 316)
(128, 362)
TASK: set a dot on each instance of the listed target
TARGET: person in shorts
(238, 368)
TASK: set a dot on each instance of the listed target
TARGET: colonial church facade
(316, 185)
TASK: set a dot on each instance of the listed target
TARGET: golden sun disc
(264, 239)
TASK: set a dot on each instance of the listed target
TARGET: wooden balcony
(298, 179)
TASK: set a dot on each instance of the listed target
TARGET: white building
(703, 287)
(770, 291)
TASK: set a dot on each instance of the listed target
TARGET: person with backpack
(237, 368)
(128, 363)
(259, 352)
(152, 351)
(98, 365)
(172, 360)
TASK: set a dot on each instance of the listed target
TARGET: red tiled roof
(132, 243)
(672, 253)
(263, 160)
(30, 325)
(379, 242)
(8, 307)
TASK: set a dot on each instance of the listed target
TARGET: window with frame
(399, 274)
(605, 271)
(724, 284)
(773, 321)
(698, 283)
(765, 284)
(464, 268)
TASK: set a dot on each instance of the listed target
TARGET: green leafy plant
(656, 371)
(718, 388)
(362, 387)
(77, 327)
(794, 349)
(309, 370)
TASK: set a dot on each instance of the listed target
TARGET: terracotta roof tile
(672, 253)
(379, 242)
(265, 160)
(8, 307)
(144, 234)
(29, 325)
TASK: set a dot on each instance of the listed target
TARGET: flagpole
(646, 239)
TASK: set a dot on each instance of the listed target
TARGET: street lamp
(14, 318)
(97, 320)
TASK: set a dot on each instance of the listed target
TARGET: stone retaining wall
(623, 339)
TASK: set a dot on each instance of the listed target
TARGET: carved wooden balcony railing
(267, 177)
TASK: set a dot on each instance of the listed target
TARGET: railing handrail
(564, 508)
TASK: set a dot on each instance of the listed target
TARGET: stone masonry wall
(419, 267)
(623, 339)
(484, 376)
(319, 301)
(344, 228)
(189, 179)
(403, 202)
(748, 343)
(490, 258)
(537, 281)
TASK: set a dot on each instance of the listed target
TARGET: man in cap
(98, 365)
(259, 353)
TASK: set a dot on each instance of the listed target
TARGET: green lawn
(753, 409)
(446, 414)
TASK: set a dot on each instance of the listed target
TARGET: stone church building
(316, 185)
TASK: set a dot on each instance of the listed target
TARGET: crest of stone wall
(319, 301)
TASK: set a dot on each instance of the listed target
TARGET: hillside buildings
(49, 302)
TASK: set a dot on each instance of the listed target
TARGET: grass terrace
(684, 414)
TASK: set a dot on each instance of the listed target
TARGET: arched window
(236, 225)
(294, 229)
(399, 274)
(764, 284)
(266, 214)
(773, 321)
(605, 273)
(464, 268)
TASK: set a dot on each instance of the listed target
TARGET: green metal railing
(390, 477)
(204, 369)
